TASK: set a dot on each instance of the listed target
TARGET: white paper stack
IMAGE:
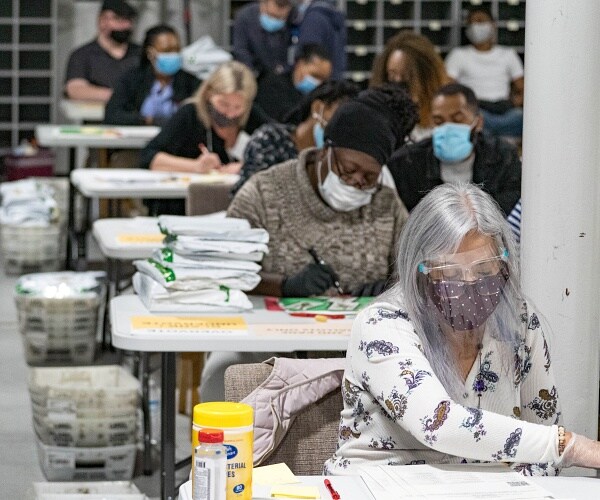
(27, 203)
(207, 264)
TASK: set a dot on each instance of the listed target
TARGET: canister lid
(223, 414)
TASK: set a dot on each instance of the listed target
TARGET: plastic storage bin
(83, 388)
(32, 249)
(102, 490)
(61, 429)
(19, 167)
(87, 464)
(59, 316)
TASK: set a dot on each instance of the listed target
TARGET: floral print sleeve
(533, 372)
(386, 357)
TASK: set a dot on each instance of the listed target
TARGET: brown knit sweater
(359, 245)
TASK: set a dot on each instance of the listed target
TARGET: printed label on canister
(239, 442)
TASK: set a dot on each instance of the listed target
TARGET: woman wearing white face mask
(331, 199)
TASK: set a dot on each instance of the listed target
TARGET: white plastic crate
(101, 490)
(83, 388)
(114, 463)
(32, 249)
(60, 315)
(42, 349)
(106, 412)
(61, 429)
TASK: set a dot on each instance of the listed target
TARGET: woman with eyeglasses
(452, 365)
(275, 143)
(332, 226)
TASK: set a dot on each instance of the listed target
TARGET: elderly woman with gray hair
(451, 365)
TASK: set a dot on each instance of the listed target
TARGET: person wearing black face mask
(458, 151)
(210, 132)
(94, 69)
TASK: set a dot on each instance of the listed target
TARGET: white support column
(561, 179)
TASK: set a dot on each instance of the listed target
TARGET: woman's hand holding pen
(207, 161)
(312, 279)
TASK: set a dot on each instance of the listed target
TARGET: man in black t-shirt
(94, 68)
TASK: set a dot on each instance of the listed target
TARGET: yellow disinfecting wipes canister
(236, 420)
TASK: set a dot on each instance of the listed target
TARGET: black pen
(321, 262)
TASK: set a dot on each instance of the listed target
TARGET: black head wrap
(376, 122)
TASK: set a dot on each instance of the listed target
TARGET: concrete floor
(19, 466)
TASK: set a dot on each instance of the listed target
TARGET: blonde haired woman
(208, 132)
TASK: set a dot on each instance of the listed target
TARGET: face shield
(464, 289)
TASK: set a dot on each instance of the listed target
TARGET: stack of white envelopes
(207, 264)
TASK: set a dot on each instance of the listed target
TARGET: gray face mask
(221, 120)
(466, 305)
(479, 32)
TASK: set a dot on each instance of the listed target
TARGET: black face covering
(120, 36)
(221, 120)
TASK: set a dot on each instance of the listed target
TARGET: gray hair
(437, 226)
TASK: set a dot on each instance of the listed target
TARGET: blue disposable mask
(271, 24)
(452, 142)
(319, 135)
(307, 84)
(168, 63)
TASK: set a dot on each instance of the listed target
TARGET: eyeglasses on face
(355, 178)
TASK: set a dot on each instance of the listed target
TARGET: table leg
(71, 215)
(145, 371)
(167, 451)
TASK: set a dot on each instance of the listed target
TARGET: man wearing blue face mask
(262, 35)
(458, 151)
(279, 93)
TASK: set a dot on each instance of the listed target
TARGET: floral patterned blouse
(397, 412)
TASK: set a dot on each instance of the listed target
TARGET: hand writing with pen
(208, 162)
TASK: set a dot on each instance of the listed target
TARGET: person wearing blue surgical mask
(262, 35)
(279, 93)
(274, 143)
(153, 91)
(459, 151)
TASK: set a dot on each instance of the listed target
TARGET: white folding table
(136, 183)
(263, 333)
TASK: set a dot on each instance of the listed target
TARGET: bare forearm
(170, 163)
(85, 91)
(270, 284)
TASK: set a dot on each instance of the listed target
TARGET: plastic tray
(101, 490)
(41, 349)
(32, 249)
(61, 429)
(93, 387)
(113, 463)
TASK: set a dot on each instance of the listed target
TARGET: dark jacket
(323, 24)
(277, 95)
(133, 87)
(256, 48)
(183, 133)
(497, 169)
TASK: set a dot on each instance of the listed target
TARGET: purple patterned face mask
(466, 305)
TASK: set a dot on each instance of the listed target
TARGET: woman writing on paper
(452, 364)
(329, 199)
(209, 133)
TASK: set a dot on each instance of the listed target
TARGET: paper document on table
(450, 481)
(333, 327)
(194, 324)
(273, 474)
(140, 238)
(292, 491)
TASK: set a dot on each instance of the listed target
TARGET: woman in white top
(452, 365)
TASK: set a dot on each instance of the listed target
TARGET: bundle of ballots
(28, 202)
(207, 264)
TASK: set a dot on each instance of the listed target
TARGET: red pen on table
(334, 494)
